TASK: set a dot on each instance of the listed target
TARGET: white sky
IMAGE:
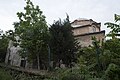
(98, 10)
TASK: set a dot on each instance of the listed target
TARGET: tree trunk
(38, 60)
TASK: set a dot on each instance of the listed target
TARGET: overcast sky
(98, 10)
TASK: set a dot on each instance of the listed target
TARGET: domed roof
(79, 19)
(82, 20)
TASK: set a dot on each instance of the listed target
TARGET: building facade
(85, 29)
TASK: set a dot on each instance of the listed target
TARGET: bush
(112, 72)
(4, 75)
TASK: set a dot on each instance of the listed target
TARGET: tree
(114, 26)
(33, 32)
(112, 72)
(62, 42)
(3, 46)
(113, 45)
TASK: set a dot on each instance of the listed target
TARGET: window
(94, 29)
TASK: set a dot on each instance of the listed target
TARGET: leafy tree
(3, 46)
(113, 46)
(33, 32)
(4, 75)
(114, 26)
(62, 42)
(109, 54)
(112, 72)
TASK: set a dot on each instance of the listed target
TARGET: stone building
(13, 56)
(85, 29)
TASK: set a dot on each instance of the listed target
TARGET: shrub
(4, 75)
(112, 72)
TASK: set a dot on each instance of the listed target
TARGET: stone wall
(86, 40)
(85, 29)
(78, 31)
(13, 56)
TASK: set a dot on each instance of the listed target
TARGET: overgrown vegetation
(3, 47)
(4, 75)
(98, 62)
(62, 43)
(33, 32)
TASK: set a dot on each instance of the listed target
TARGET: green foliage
(109, 58)
(114, 26)
(62, 42)
(33, 32)
(3, 46)
(87, 53)
(112, 72)
(4, 75)
(105, 59)
(79, 72)
(113, 46)
(97, 62)
(71, 74)
(87, 65)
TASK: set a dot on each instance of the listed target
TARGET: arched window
(94, 29)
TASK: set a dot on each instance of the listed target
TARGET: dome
(79, 19)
